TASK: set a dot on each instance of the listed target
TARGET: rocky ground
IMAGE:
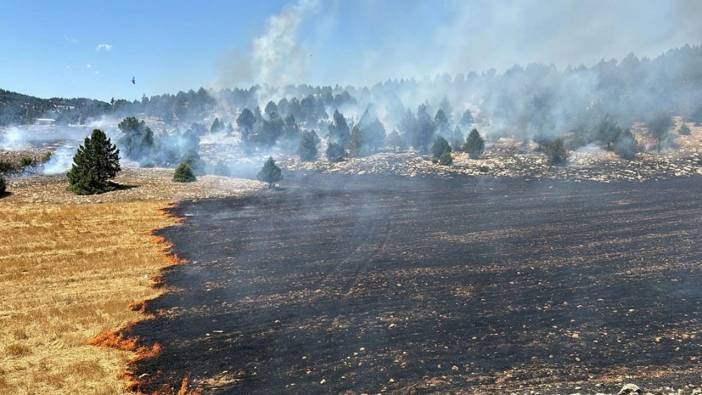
(509, 158)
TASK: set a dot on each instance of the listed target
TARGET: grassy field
(67, 273)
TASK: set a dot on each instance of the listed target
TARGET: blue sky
(92, 48)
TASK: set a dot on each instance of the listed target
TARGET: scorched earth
(377, 283)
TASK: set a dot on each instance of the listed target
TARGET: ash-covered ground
(366, 284)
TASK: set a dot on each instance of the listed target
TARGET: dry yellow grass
(68, 272)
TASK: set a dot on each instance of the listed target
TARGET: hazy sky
(93, 48)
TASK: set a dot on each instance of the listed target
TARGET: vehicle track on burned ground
(371, 284)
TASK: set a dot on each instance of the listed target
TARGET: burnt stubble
(368, 284)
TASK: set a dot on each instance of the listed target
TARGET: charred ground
(372, 283)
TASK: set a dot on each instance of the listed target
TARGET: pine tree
(335, 152)
(217, 125)
(356, 143)
(183, 173)
(439, 147)
(339, 130)
(270, 173)
(475, 145)
(137, 141)
(95, 163)
(396, 142)
(308, 146)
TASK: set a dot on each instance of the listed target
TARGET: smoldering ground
(368, 284)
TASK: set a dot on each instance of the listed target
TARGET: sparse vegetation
(270, 173)
(625, 146)
(26, 161)
(684, 130)
(183, 173)
(95, 163)
(6, 166)
(556, 153)
(658, 127)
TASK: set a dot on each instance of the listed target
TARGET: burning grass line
(120, 340)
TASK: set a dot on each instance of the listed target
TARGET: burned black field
(369, 284)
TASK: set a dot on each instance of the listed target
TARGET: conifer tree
(270, 173)
(356, 143)
(308, 146)
(439, 147)
(335, 152)
(183, 173)
(95, 163)
(475, 145)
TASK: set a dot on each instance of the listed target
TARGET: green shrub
(3, 186)
(95, 163)
(270, 172)
(183, 173)
(26, 161)
(6, 166)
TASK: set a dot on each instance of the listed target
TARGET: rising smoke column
(278, 58)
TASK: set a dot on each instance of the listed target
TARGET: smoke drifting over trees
(580, 105)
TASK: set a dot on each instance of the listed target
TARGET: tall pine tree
(95, 163)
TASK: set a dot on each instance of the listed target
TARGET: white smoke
(277, 56)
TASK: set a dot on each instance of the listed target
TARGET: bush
(6, 166)
(475, 145)
(184, 173)
(445, 159)
(335, 152)
(95, 163)
(684, 130)
(555, 151)
(625, 146)
(658, 127)
(440, 147)
(26, 161)
(3, 186)
(270, 173)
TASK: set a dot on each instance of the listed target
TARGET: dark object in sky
(133, 80)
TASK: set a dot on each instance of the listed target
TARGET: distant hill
(16, 108)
